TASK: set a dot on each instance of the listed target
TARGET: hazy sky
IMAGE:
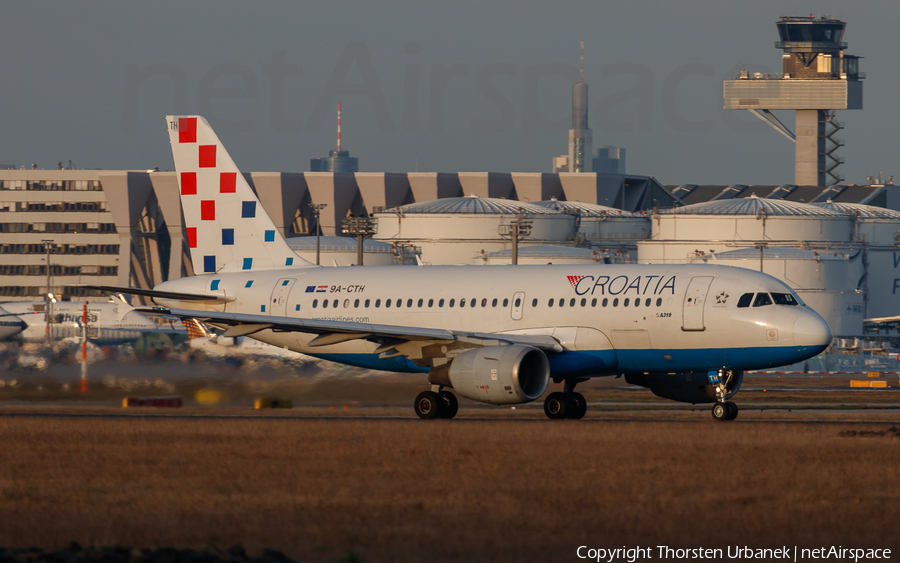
(466, 85)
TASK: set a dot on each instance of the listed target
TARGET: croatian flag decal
(322, 289)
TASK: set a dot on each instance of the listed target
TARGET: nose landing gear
(722, 410)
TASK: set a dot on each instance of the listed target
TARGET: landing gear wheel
(557, 406)
(579, 406)
(428, 405)
(731, 411)
(450, 406)
(720, 411)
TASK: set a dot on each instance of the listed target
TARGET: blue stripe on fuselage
(603, 362)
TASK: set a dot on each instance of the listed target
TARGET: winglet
(227, 228)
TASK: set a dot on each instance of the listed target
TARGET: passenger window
(409, 302)
(505, 302)
(494, 302)
(637, 302)
(335, 303)
(387, 303)
(583, 301)
(420, 302)
(324, 303)
(356, 303)
(784, 299)
(441, 303)
(762, 299)
(616, 302)
(625, 303)
(462, 302)
(430, 303)
(550, 303)
(659, 301)
(518, 301)
(594, 302)
(484, 302)
(452, 302)
(366, 305)
(745, 300)
(473, 302)
(315, 303)
(605, 301)
(562, 302)
(572, 302)
(647, 302)
(378, 303)
(534, 302)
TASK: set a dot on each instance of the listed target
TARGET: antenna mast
(339, 128)
(581, 78)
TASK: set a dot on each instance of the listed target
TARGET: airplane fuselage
(608, 318)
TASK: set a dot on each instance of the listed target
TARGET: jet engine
(496, 374)
(689, 387)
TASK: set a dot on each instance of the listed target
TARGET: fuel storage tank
(878, 232)
(456, 230)
(604, 228)
(720, 225)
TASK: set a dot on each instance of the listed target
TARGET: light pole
(517, 230)
(317, 209)
(361, 227)
(48, 296)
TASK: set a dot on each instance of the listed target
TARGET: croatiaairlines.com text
(344, 319)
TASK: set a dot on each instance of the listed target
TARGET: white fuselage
(107, 323)
(608, 318)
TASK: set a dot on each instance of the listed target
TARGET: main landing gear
(723, 410)
(436, 404)
(566, 404)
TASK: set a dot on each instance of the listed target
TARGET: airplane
(109, 322)
(494, 334)
(10, 324)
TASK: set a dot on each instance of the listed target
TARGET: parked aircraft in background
(495, 334)
(10, 324)
(109, 322)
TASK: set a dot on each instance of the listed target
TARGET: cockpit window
(762, 299)
(745, 300)
(784, 299)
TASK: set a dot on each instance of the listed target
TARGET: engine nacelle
(496, 374)
(691, 387)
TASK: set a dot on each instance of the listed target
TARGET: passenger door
(694, 300)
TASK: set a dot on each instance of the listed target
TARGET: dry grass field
(460, 490)
(349, 470)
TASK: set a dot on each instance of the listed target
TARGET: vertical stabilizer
(227, 228)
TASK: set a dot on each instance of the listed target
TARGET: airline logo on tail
(227, 230)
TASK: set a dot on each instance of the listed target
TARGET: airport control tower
(818, 78)
(580, 141)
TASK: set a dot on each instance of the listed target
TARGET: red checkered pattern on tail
(573, 280)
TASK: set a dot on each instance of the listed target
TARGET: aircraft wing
(393, 340)
(155, 293)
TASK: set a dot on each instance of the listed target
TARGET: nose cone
(11, 326)
(811, 330)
